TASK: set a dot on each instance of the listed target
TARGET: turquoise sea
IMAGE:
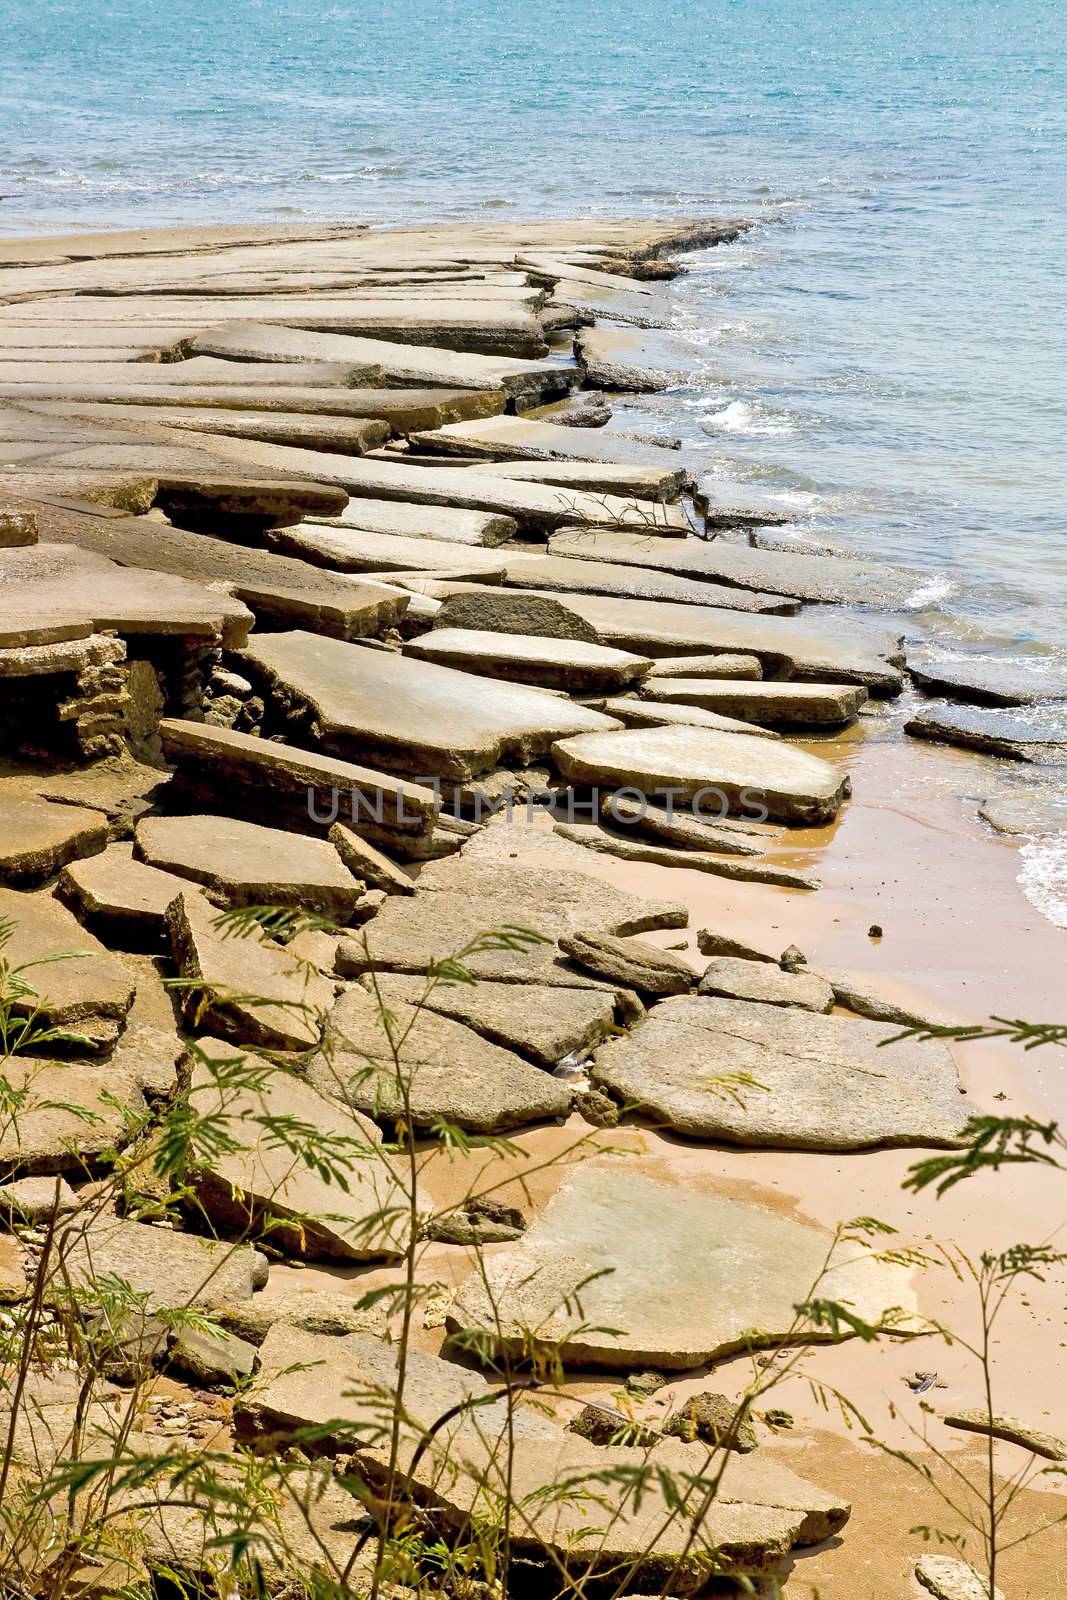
(888, 349)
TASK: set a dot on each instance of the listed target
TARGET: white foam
(1043, 877)
(743, 416)
(930, 593)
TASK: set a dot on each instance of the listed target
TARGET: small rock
(1011, 1430)
(874, 931)
(948, 1578)
(598, 1109)
(477, 1222)
(212, 1358)
(776, 1417)
(717, 942)
(601, 1425)
(713, 1419)
(792, 959)
(643, 1384)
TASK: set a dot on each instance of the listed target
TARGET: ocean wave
(751, 418)
(931, 593)
(1043, 876)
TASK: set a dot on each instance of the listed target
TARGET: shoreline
(907, 851)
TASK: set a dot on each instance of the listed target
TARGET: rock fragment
(690, 1284)
(714, 1419)
(633, 963)
(779, 1077)
(243, 864)
(787, 783)
(573, 665)
(1011, 1430)
(248, 989)
(37, 839)
(731, 978)
(211, 1358)
(428, 1068)
(329, 1191)
(948, 1578)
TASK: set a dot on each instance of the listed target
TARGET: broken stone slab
(542, 1022)
(683, 829)
(37, 839)
(411, 520)
(491, 611)
(124, 899)
(619, 359)
(348, 1205)
(210, 1358)
(446, 1072)
(462, 900)
(245, 988)
(317, 1310)
(491, 326)
(198, 371)
(630, 849)
(317, 789)
(411, 716)
(658, 485)
(451, 1443)
(398, 363)
(345, 435)
(535, 506)
(34, 1199)
(560, 575)
(395, 556)
(89, 994)
(786, 647)
(1035, 811)
(573, 665)
(47, 584)
(1037, 734)
(815, 578)
(363, 861)
(948, 1578)
(786, 783)
(732, 978)
(516, 438)
(878, 997)
(635, 713)
(69, 1115)
(277, 588)
(242, 864)
(700, 1278)
(720, 942)
(780, 704)
(605, 580)
(402, 409)
(168, 1269)
(808, 1082)
(633, 964)
(714, 666)
(1010, 1429)
(988, 680)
